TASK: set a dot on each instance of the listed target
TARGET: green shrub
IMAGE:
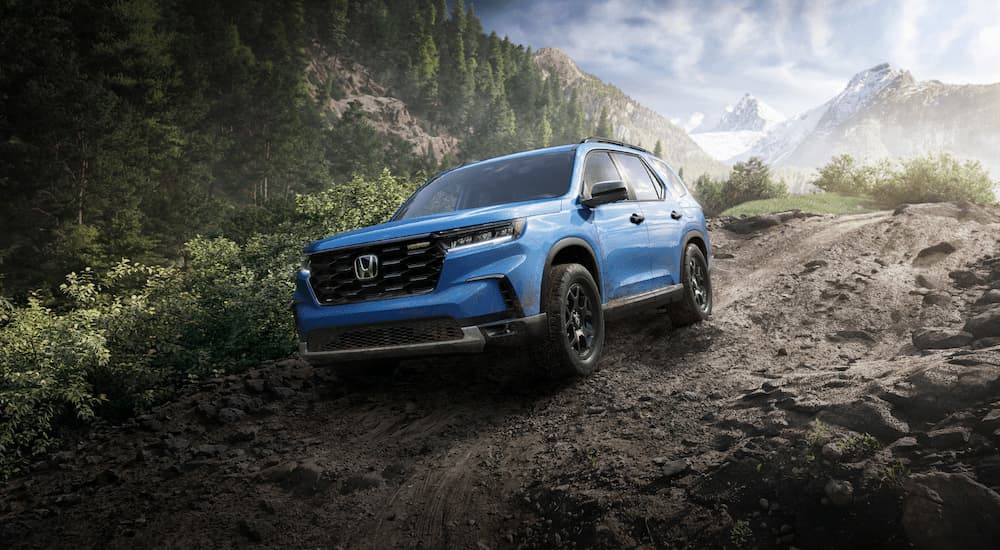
(932, 178)
(708, 191)
(937, 179)
(45, 359)
(740, 534)
(859, 446)
(358, 203)
(127, 336)
(842, 175)
(748, 181)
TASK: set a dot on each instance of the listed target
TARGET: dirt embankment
(812, 411)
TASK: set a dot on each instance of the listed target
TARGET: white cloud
(695, 56)
(693, 121)
(908, 32)
(816, 17)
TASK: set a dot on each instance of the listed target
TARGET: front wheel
(696, 304)
(575, 322)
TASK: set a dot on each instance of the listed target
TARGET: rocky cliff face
(386, 114)
(632, 122)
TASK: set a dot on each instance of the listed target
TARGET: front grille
(405, 267)
(390, 334)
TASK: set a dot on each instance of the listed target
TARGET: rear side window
(677, 186)
(599, 168)
(639, 178)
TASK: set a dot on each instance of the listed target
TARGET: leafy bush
(127, 336)
(933, 178)
(842, 175)
(937, 179)
(748, 181)
(45, 359)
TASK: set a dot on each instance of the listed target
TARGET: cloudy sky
(686, 56)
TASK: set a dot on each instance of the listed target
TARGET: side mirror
(606, 191)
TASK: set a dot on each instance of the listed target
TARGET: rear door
(624, 241)
(663, 218)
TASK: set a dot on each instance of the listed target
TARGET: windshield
(528, 178)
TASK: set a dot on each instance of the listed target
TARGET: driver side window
(598, 168)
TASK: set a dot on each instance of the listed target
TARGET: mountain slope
(726, 145)
(388, 115)
(884, 113)
(632, 122)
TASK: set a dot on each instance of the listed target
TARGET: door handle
(676, 215)
(636, 218)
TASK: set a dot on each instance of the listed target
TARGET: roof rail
(598, 139)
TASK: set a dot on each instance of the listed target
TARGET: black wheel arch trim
(565, 243)
(696, 234)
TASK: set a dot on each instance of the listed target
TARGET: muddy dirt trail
(846, 393)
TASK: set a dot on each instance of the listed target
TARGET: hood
(400, 229)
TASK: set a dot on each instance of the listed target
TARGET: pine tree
(604, 128)
(658, 150)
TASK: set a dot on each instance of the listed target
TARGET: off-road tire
(696, 304)
(573, 307)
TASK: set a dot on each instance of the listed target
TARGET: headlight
(304, 263)
(483, 234)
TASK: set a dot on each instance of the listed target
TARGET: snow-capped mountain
(883, 112)
(738, 128)
(864, 88)
(748, 115)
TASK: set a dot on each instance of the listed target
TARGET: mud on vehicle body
(535, 248)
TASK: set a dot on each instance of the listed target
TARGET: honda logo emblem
(366, 267)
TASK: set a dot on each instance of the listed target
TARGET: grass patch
(859, 446)
(816, 203)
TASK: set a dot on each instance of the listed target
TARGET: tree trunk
(81, 190)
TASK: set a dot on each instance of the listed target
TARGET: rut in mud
(803, 414)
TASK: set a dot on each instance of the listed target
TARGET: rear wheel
(575, 322)
(696, 304)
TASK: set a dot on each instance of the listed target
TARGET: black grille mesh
(373, 336)
(405, 267)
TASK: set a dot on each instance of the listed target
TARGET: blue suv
(532, 249)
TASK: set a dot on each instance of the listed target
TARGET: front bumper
(471, 339)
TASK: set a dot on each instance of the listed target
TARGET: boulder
(936, 299)
(754, 224)
(933, 254)
(923, 282)
(872, 416)
(948, 438)
(992, 296)
(985, 324)
(840, 493)
(991, 421)
(943, 511)
(964, 279)
(940, 338)
(671, 468)
(987, 342)
(930, 394)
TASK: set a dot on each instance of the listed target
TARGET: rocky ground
(845, 394)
